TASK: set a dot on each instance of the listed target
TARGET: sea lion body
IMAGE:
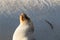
(25, 29)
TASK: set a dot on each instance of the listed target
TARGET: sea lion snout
(24, 17)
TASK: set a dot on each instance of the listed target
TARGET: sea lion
(25, 29)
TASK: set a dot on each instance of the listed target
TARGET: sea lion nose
(22, 14)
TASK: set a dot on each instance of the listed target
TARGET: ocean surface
(38, 10)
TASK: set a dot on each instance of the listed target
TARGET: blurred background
(37, 10)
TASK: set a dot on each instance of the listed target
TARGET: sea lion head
(24, 18)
